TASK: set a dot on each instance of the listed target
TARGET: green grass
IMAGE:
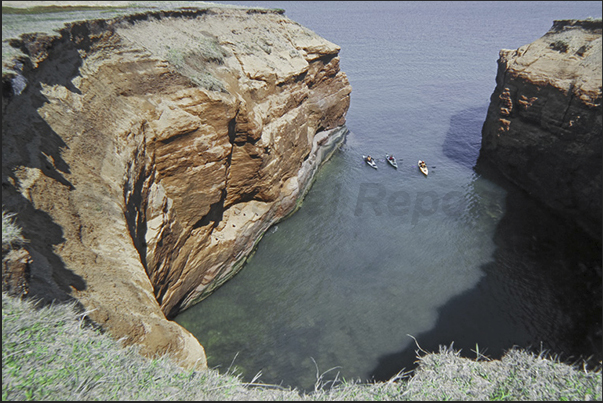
(51, 353)
(519, 375)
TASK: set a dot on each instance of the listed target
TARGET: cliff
(147, 154)
(543, 127)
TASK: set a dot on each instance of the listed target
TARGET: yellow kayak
(423, 167)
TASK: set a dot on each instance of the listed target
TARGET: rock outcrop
(147, 154)
(543, 127)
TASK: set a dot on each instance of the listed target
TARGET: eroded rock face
(15, 272)
(147, 155)
(543, 128)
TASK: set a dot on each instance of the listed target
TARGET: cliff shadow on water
(29, 144)
(463, 139)
(540, 292)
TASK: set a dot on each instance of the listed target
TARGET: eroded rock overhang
(147, 155)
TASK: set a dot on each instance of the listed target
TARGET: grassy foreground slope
(54, 353)
(51, 353)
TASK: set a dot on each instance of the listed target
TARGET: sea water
(379, 262)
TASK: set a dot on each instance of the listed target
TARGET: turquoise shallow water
(374, 256)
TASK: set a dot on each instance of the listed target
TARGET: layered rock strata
(543, 127)
(147, 154)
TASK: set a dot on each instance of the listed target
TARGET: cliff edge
(543, 127)
(146, 154)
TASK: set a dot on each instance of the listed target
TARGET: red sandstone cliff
(147, 154)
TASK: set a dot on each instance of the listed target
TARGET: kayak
(423, 169)
(392, 160)
(371, 163)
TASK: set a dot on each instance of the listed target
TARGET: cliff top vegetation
(51, 353)
(20, 17)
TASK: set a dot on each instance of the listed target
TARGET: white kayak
(392, 160)
(371, 162)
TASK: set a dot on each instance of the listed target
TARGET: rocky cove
(116, 231)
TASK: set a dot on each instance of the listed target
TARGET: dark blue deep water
(376, 256)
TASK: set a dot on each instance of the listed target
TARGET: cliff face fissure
(565, 120)
(135, 217)
(154, 150)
